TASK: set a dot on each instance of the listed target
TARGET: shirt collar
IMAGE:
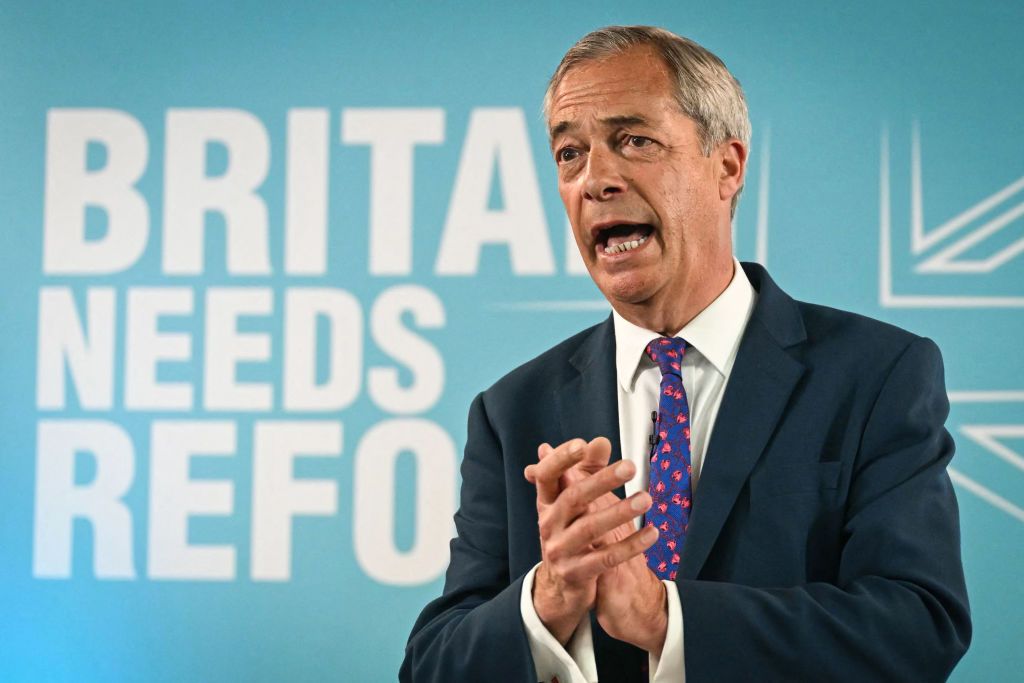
(714, 333)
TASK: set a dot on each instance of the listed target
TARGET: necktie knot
(667, 353)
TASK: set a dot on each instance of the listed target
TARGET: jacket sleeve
(474, 631)
(897, 610)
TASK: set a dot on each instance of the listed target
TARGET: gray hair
(706, 91)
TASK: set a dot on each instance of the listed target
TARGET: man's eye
(566, 154)
(638, 141)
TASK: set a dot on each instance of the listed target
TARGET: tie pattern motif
(669, 482)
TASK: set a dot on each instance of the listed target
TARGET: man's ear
(732, 168)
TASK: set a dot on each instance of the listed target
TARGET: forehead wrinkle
(624, 120)
(595, 105)
(616, 121)
(608, 76)
(587, 91)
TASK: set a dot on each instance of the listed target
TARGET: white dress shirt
(713, 338)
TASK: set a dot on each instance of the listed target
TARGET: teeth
(625, 246)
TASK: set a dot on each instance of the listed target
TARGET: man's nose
(603, 179)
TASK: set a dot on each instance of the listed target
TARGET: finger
(593, 527)
(599, 451)
(529, 471)
(579, 496)
(547, 472)
(575, 499)
(596, 562)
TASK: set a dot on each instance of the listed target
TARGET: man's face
(649, 211)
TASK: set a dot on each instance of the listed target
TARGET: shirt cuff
(549, 657)
(670, 666)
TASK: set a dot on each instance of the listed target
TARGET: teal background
(825, 79)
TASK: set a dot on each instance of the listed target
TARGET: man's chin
(628, 290)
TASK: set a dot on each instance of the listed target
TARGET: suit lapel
(762, 379)
(588, 402)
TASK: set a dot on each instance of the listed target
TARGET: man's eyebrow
(610, 122)
(560, 128)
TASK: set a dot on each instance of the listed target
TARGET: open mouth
(617, 239)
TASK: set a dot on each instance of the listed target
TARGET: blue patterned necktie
(669, 483)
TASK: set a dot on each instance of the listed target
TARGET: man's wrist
(660, 627)
(656, 626)
(558, 615)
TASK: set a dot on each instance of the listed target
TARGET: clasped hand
(591, 556)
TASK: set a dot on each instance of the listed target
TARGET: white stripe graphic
(986, 396)
(986, 435)
(941, 262)
(761, 244)
(986, 494)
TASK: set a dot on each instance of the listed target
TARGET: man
(788, 517)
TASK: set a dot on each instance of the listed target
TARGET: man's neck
(666, 315)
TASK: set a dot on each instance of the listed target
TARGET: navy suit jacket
(824, 538)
